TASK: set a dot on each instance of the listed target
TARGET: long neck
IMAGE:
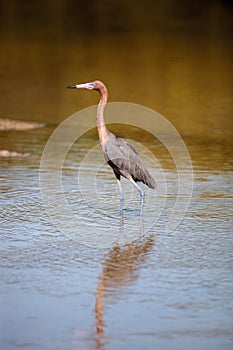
(103, 132)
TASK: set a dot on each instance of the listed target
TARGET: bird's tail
(150, 181)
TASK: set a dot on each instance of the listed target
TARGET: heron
(120, 155)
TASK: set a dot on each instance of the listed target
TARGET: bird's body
(126, 162)
(120, 155)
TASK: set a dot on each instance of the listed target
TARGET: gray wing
(126, 162)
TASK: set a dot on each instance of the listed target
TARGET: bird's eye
(91, 85)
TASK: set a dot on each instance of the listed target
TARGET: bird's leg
(121, 196)
(142, 194)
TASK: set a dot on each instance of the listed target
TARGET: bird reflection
(121, 268)
(141, 229)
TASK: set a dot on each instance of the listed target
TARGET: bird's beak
(89, 86)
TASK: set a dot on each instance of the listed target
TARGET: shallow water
(165, 290)
(133, 284)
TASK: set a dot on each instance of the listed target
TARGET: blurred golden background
(172, 56)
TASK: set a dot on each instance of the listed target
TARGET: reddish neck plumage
(103, 132)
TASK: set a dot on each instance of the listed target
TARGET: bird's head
(94, 85)
(89, 86)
